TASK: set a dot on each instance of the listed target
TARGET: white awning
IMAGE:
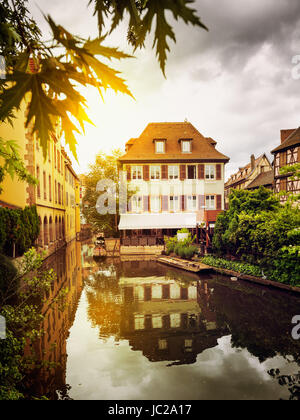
(158, 221)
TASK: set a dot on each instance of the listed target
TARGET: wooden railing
(142, 241)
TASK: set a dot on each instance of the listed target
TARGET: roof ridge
(287, 142)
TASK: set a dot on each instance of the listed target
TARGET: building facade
(287, 153)
(57, 194)
(177, 177)
(258, 172)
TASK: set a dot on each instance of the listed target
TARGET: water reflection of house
(58, 319)
(164, 319)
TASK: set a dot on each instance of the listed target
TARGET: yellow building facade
(14, 191)
(55, 196)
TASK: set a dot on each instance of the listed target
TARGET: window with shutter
(210, 202)
(192, 202)
(192, 172)
(174, 203)
(210, 172)
(173, 171)
(155, 204)
(155, 172)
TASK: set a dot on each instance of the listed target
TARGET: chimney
(252, 162)
(284, 134)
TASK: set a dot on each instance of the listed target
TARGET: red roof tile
(143, 148)
(238, 177)
(292, 140)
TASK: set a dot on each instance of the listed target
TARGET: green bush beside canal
(182, 248)
(258, 230)
(19, 228)
(239, 267)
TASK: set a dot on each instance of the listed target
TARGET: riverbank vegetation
(183, 248)
(237, 266)
(19, 229)
(21, 299)
(258, 230)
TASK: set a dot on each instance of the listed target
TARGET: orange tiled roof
(143, 148)
(240, 175)
(265, 178)
(131, 141)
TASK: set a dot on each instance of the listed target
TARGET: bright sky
(234, 83)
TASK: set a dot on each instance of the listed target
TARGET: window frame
(186, 142)
(160, 142)
(171, 172)
(136, 204)
(173, 199)
(194, 172)
(158, 200)
(152, 168)
(208, 172)
(212, 199)
(191, 198)
(138, 171)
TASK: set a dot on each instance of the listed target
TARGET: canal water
(140, 330)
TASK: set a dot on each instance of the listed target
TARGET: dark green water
(141, 330)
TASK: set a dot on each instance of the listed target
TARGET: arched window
(59, 228)
(38, 185)
(51, 230)
(63, 228)
(46, 232)
(41, 235)
(56, 229)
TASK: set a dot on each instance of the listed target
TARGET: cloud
(233, 83)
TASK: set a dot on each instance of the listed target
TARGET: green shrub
(286, 267)
(237, 266)
(190, 251)
(183, 230)
(259, 231)
(170, 244)
(182, 248)
(19, 229)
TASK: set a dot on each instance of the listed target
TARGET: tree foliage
(49, 74)
(143, 14)
(12, 164)
(258, 230)
(21, 308)
(19, 229)
(104, 168)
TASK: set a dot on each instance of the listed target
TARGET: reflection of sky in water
(98, 369)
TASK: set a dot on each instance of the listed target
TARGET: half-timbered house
(287, 154)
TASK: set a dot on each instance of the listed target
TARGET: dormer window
(160, 146)
(186, 146)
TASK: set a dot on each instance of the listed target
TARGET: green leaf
(11, 97)
(39, 110)
(94, 47)
(141, 16)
